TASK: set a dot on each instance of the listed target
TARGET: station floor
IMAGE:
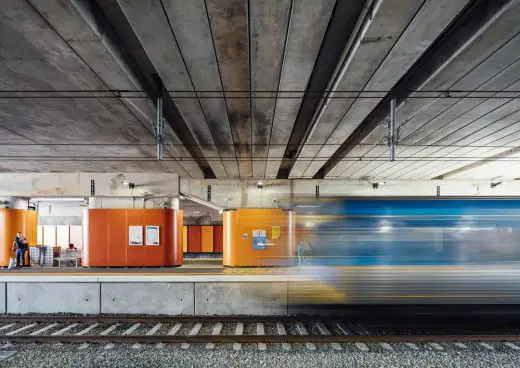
(182, 270)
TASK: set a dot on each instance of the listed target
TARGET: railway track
(260, 331)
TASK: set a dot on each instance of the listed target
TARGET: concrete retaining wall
(148, 298)
(234, 298)
(153, 298)
(82, 298)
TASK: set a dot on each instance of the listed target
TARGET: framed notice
(275, 232)
(135, 235)
(152, 235)
(259, 239)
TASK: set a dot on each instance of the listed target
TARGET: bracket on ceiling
(159, 129)
(393, 133)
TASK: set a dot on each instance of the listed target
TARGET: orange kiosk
(11, 222)
(132, 237)
(259, 237)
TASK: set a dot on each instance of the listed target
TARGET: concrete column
(175, 203)
(94, 202)
(18, 203)
(172, 203)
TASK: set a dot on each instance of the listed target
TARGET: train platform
(186, 290)
(210, 290)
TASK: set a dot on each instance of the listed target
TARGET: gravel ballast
(44, 355)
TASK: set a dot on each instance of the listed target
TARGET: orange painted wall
(12, 221)
(206, 239)
(238, 249)
(194, 239)
(106, 243)
(218, 238)
(185, 238)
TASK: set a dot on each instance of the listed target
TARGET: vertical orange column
(11, 222)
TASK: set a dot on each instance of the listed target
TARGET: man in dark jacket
(20, 246)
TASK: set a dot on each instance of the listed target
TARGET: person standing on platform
(300, 252)
(19, 245)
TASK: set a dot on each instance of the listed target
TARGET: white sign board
(135, 235)
(152, 235)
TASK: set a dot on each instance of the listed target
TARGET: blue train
(414, 232)
(414, 250)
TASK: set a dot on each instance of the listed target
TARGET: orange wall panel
(106, 243)
(239, 225)
(114, 243)
(185, 238)
(206, 241)
(194, 239)
(218, 238)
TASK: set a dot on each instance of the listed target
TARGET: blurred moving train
(414, 250)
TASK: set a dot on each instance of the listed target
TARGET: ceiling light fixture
(129, 184)
(57, 199)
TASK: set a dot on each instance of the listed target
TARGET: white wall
(244, 193)
(78, 184)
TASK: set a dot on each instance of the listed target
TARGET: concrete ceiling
(452, 66)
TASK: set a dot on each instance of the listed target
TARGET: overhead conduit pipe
(360, 30)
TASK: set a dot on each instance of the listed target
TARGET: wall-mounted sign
(135, 235)
(275, 232)
(152, 235)
(259, 239)
(244, 236)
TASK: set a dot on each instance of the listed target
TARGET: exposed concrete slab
(386, 25)
(309, 20)
(502, 70)
(230, 33)
(473, 67)
(396, 38)
(241, 298)
(151, 25)
(269, 20)
(39, 297)
(190, 25)
(148, 298)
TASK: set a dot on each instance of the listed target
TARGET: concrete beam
(231, 38)
(190, 25)
(78, 184)
(309, 21)
(269, 35)
(471, 24)
(37, 57)
(382, 27)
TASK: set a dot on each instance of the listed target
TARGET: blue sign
(259, 239)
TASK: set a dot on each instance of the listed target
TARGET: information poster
(152, 235)
(275, 232)
(135, 235)
(259, 239)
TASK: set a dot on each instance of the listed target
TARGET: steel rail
(250, 339)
